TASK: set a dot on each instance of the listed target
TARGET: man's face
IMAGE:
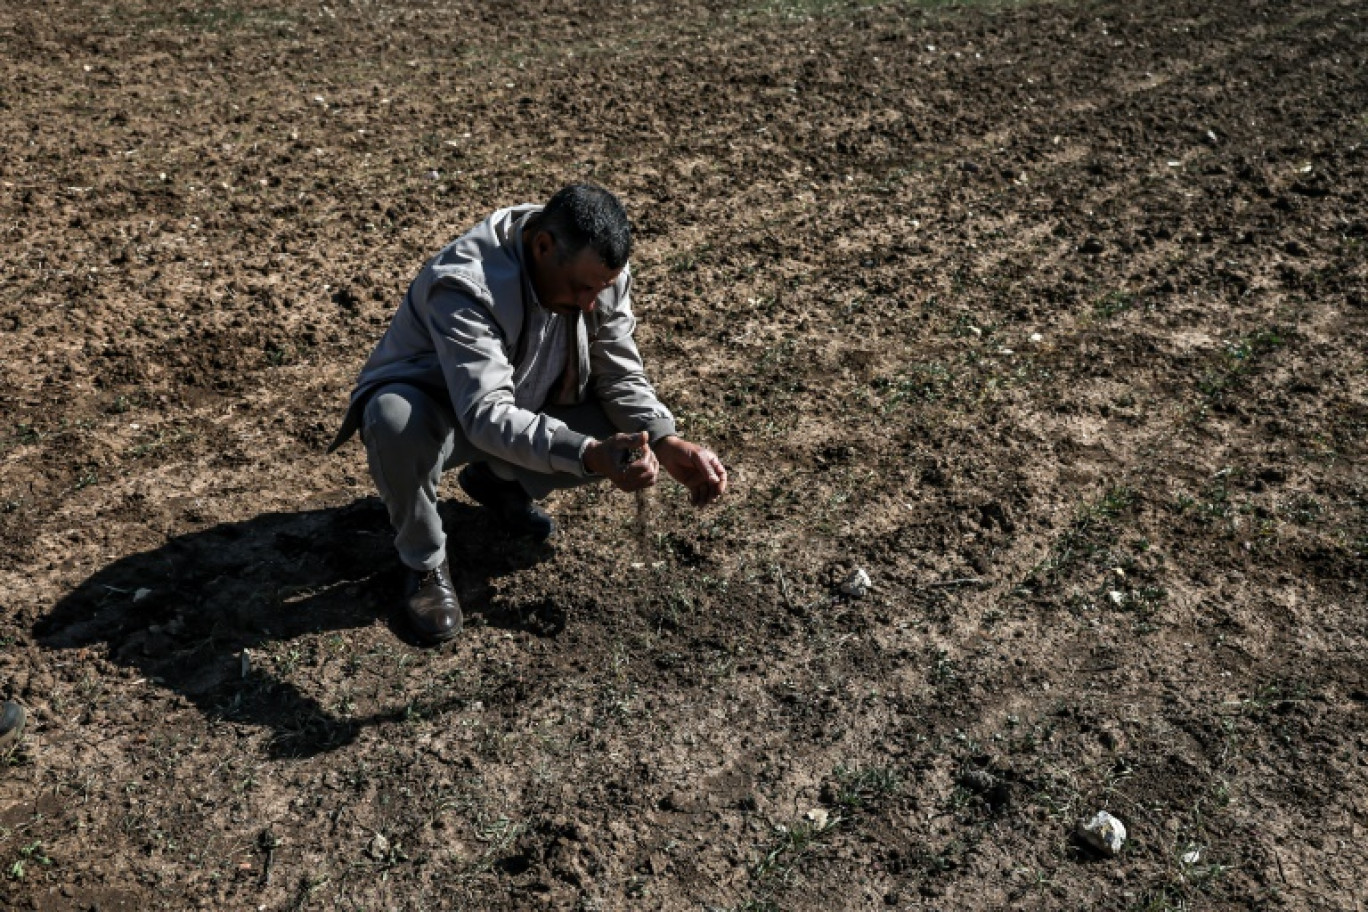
(574, 285)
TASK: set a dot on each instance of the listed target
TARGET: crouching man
(512, 355)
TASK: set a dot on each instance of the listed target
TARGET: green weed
(1089, 537)
(858, 786)
(29, 855)
(1236, 361)
(790, 848)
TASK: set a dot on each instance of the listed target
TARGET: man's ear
(543, 245)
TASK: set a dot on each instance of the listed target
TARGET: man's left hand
(693, 466)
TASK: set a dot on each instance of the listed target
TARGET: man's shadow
(183, 613)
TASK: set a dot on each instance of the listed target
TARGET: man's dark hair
(586, 215)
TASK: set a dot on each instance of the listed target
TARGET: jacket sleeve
(619, 378)
(479, 379)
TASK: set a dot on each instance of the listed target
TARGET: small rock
(1104, 833)
(379, 848)
(1117, 598)
(1193, 856)
(857, 584)
(819, 818)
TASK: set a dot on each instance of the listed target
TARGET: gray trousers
(412, 438)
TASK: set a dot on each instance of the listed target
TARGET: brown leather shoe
(11, 724)
(430, 602)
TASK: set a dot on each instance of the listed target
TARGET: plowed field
(1050, 316)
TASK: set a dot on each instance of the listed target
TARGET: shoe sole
(437, 639)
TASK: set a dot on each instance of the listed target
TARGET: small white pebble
(1104, 833)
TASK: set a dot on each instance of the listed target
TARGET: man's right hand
(613, 459)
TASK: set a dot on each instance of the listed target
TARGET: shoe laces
(436, 573)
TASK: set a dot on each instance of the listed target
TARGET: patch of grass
(1274, 693)
(940, 859)
(1236, 360)
(945, 671)
(1161, 899)
(279, 355)
(1302, 509)
(791, 846)
(122, 404)
(1089, 537)
(1112, 303)
(689, 260)
(163, 440)
(859, 786)
(498, 834)
(1113, 503)
(29, 855)
(26, 433)
(927, 382)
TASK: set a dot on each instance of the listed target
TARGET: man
(512, 355)
(11, 724)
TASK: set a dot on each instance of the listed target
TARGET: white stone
(1104, 833)
(857, 584)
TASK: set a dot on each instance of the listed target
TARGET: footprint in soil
(185, 614)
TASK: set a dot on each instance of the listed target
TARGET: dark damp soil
(1049, 316)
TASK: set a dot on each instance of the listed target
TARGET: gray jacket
(459, 334)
